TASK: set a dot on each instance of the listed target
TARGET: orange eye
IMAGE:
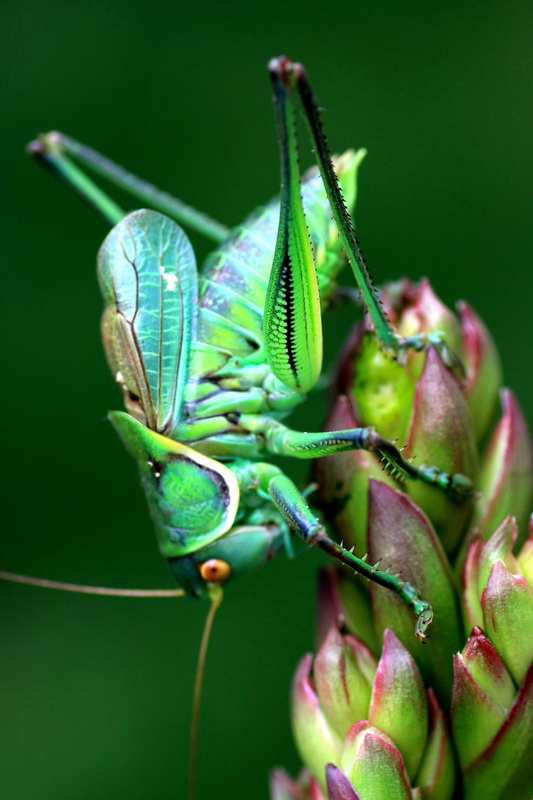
(215, 570)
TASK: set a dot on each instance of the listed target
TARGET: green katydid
(209, 365)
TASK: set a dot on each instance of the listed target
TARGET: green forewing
(147, 273)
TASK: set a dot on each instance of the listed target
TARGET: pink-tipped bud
(441, 433)
(343, 673)
(507, 604)
(483, 370)
(436, 774)
(401, 536)
(506, 477)
(374, 765)
(482, 660)
(475, 717)
(318, 743)
(398, 705)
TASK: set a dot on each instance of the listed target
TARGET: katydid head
(193, 501)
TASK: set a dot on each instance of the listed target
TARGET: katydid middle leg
(281, 440)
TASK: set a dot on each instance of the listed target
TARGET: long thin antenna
(15, 577)
(216, 595)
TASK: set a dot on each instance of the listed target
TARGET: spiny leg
(290, 77)
(289, 501)
(54, 150)
(281, 440)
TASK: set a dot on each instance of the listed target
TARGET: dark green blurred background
(96, 692)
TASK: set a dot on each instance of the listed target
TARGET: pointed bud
(374, 765)
(316, 740)
(339, 787)
(506, 479)
(343, 672)
(475, 718)
(401, 535)
(383, 390)
(398, 705)
(436, 775)
(498, 546)
(480, 557)
(503, 769)
(488, 670)
(427, 314)
(483, 369)
(441, 432)
(473, 614)
(507, 604)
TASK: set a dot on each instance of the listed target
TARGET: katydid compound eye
(215, 570)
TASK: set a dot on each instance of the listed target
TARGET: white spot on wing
(171, 279)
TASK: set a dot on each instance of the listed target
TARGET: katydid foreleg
(294, 509)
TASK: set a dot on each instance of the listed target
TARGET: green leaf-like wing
(147, 274)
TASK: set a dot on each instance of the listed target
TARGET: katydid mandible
(210, 364)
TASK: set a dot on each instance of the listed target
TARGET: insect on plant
(210, 363)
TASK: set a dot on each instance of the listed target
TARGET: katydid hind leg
(292, 315)
(292, 76)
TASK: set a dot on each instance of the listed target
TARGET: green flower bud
(399, 529)
(441, 432)
(374, 765)
(398, 705)
(483, 370)
(487, 669)
(475, 717)
(497, 598)
(506, 478)
(507, 604)
(436, 775)
(493, 743)
(316, 740)
(343, 671)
